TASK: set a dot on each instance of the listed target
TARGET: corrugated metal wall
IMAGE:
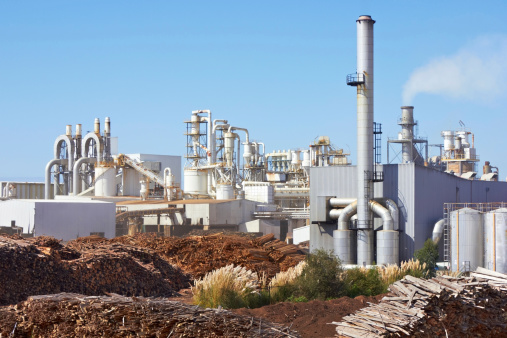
(420, 193)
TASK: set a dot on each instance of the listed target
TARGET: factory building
(366, 213)
(64, 220)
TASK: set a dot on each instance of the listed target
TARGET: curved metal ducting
(47, 182)
(335, 213)
(346, 214)
(341, 202)
(438, 231)
(99, 144)
(387, 239)
(75, 172)
(379, 210)
(394, 211)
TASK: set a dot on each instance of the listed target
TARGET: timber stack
(441, 306)
(75, 315)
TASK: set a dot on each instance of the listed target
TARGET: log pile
(75, 315)
(442, 306)
(41, 265)
(287, 255)
(199, 255)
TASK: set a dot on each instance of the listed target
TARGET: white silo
(105, 181)
(467, 239)
(495, 240)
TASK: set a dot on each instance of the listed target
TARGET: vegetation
(428, 255)
(230, 287)
(320, 276)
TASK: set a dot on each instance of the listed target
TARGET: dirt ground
(310, 319)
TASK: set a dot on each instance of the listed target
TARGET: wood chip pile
(443, 306)
(75, 315)
(41, 265)
(199, 255)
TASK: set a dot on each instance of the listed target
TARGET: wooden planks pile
(41, 265)
(441, 306)
(199, 255)
(75, 315)
(277, 249)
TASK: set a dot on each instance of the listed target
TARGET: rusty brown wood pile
(439, 307)
(287, 255)
(42, 265)
(199, 255)
(75, 315)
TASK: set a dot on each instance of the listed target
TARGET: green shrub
(320, 277)
(428, 255)
(366, 282)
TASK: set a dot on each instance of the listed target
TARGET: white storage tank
(467, 240)
(225, 192)
(195, 182)
(495, 240)
(105, 181)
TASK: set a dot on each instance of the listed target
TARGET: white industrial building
(63, 220)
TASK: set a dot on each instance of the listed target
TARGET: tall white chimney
(365, 236)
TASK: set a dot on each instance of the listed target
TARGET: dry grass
(287, 277)
(392, 273)
(227, 287)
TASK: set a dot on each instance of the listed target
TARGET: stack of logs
(442, 306)
(41, 265)
(199, 255)
(75, 315)
(279, 251)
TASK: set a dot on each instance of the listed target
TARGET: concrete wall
(64, 220)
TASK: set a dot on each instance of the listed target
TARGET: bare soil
(311, 319)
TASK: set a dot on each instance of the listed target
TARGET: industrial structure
(366, 213)
(406, 199)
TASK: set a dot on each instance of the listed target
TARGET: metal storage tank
(195, 182)
(225, 192)
(495, 240)
(105, 181)
(467, 239)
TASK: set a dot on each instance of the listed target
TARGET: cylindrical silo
(495, 240)
(344, 245)
(225, 192)
(448, 136)
(467, 240)
(105, 181)
(388, 250)
(195, 181)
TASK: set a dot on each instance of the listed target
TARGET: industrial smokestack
(97, 126)
(407, 133)
(365, 254)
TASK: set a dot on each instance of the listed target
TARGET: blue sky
(277, 68)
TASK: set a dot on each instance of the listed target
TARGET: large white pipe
(47, 182)
(349, 211)
(394, 211)
(76, 179)
(438, 231)
(214, 138)
(364, 138)
(247, 139)
(387, 220)
(336, 202)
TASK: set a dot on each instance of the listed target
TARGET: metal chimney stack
(365, 236)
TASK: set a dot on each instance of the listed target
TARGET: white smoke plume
(477, 72)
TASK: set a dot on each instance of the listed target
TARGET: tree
(320, 278)
(428, 254)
